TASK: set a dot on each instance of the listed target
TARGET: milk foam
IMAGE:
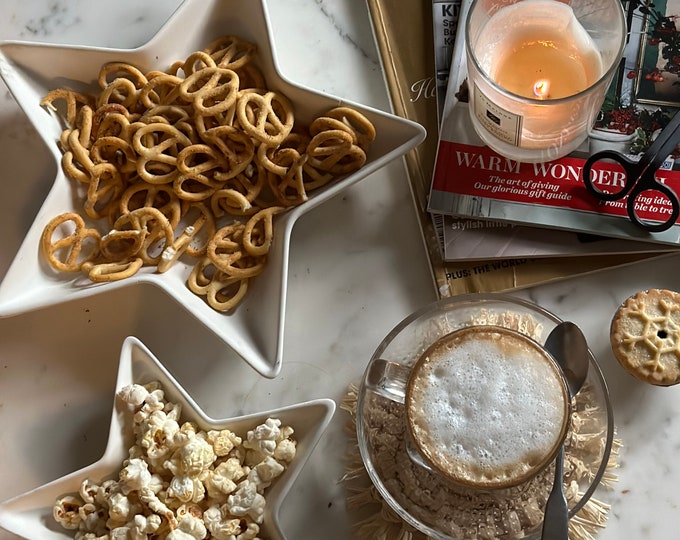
(487, 406)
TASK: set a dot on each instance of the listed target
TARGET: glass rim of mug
(604, 78)
(546, 460)
(437, 312)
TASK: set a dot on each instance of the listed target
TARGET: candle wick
(542, 89)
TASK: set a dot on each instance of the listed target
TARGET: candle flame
(542, 89)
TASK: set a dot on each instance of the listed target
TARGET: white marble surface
(357, 268)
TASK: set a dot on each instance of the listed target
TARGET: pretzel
(235, 147)
(356, 122)
(268, 118)
(229, 200)
(161, 197)
(74, 244)
(74, 102)
(333, 151)
(262, 222)
(113, 271)
(157, 145)
(211, 90)
(172, 253)
(203, 228)
(114, 150)
(231, 52)
(225, 294)
(154, 228)
(222, 293)
(116, 246)
(160, 89)
(201, 276)
(287, 184)
(104, 190)
(76, 161)
(196, 61)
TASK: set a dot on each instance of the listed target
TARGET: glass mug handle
(389, 380)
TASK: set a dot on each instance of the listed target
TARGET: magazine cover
(472, 181)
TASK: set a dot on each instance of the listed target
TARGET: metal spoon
(568, 346)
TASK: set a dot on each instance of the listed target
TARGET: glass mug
(538, 72)
(398, 470)
(486, 407)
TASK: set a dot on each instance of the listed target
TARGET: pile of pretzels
(191, 162)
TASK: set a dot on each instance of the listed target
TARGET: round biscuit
(645, 336)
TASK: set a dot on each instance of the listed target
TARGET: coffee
(487, 407)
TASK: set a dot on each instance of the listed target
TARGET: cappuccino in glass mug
(487, 407)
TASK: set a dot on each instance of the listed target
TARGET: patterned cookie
(645, 336)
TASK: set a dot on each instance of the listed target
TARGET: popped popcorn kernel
(66, 513)
(223, 441)
(180, 482)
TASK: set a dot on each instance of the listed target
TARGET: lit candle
(536, 75)
(534, 54)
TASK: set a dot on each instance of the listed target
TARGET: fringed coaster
(376, 520)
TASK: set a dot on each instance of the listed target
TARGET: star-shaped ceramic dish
(255, 328)
(30, 515)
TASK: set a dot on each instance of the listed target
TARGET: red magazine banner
(477, 171)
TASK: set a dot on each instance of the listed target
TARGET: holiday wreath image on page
(472, 181)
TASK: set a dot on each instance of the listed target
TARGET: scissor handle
(650, 183)
(630, 168)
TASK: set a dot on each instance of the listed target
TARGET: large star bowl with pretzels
(185, 164)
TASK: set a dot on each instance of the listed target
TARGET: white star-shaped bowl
(255, 328)
(30, 515)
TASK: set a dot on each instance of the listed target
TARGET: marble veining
(357, 267)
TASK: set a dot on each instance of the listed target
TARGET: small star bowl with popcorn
(172, 471)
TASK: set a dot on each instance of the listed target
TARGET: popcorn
(223, 527)
(263, 438)
(180, 482)
(66, 513)
(223, 441)
(134, 476)
(246, 501)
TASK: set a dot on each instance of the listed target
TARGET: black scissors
(640, 176)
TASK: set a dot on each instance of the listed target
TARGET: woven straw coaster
(469, 515)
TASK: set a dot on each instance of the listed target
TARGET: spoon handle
(556, 518)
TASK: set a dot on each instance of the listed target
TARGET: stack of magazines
(476, 247)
